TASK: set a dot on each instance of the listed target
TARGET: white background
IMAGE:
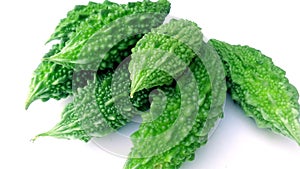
(271, 26)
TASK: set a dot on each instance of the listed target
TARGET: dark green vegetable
(261, 88)
(160, 145)
(52, 80)
(171, 47)
(75, 17)
(102, 31)
(100, 108)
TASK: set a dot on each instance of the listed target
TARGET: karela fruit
(164, 53)
(100, 32)
(75, 17)
(101, 107)
(53, 80)
(158, 143)
(261, 88)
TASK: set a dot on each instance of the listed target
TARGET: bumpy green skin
(104, 27)
(52, 80)
(68, 24)
(75, 17)
(163, 54)
(100, 108)
(208, 113)
(261, 88)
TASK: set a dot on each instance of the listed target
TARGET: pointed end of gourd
(53, 132)
(131, 94)
(32, 96)
(48, 41)
(38, 136)
(36, 90)
(52, 37)
(136, 84)
(133, 90)
(28, 102)
(34, 138)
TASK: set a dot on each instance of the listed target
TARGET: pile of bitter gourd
(119, 61)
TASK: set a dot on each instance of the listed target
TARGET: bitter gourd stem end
(49, 40)
(29, 100)
(131, 94)
(133, 90)
(37, 136)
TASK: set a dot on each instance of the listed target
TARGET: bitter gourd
(75, 17)
(261, 88)
(170, 151)
(152, 66)
(101, 107)
(52, 80)
(106, 29)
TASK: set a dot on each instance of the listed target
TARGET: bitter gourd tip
(48, 133)
(163, 54)
(38, 136)
(50, 39)
(132, 92)
(27, 103)
(30, 99)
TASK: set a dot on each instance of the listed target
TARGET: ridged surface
(102, 31)
(163, 54)
(194, 125)
(53, 80)
(101, 107)
(261, 88)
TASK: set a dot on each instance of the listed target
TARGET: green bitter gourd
(75, 17)
(211, 93)
(102, 31)
(261, 88)
(151, 63)
(100, 108)
(52, 80)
